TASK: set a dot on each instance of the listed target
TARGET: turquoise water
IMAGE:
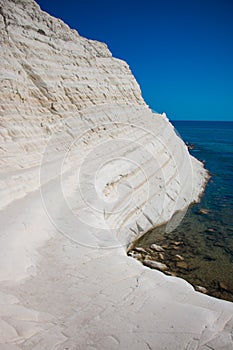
(213, 143)
(205, 240)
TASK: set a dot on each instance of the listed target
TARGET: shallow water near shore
(200, 249)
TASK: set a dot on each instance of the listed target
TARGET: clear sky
(180, 51)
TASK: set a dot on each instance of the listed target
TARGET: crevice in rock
(4, 18)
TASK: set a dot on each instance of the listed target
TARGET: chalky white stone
(86, 167)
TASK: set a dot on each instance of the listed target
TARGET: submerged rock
(203, 211)
(156, 247)
(155, 265)
(135, 255)
(182, 265)
(161, 256)
(179, 257)
(190, 145)
(177, 243)
(140, 250)
(209, 258)
(219, 244)
(225, 287)
(176, 247)
(200, 289)
(211, 230)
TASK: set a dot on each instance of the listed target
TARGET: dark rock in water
(211, 238)
(155, 265)
(135, 255)
(156, 247)
(223, 286)
(208, 258)
(165, 246)
(182, 265)
(228, 250)
(190, 145)
(219, 244)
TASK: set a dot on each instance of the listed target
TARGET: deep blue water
(205, 240)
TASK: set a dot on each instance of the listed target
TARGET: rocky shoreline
(167, 253)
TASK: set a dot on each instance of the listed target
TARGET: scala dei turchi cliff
(87, 167)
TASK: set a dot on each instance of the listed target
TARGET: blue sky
(180, 51)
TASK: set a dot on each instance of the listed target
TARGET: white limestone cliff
(85, 164)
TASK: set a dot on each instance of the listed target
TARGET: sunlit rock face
(69, 107)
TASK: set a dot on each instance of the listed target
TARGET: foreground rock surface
(80, 290)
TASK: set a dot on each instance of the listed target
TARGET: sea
(203, 241)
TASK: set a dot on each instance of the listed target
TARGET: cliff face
(48, 73)
(68, 94)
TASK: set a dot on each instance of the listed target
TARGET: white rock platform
(87, 298)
